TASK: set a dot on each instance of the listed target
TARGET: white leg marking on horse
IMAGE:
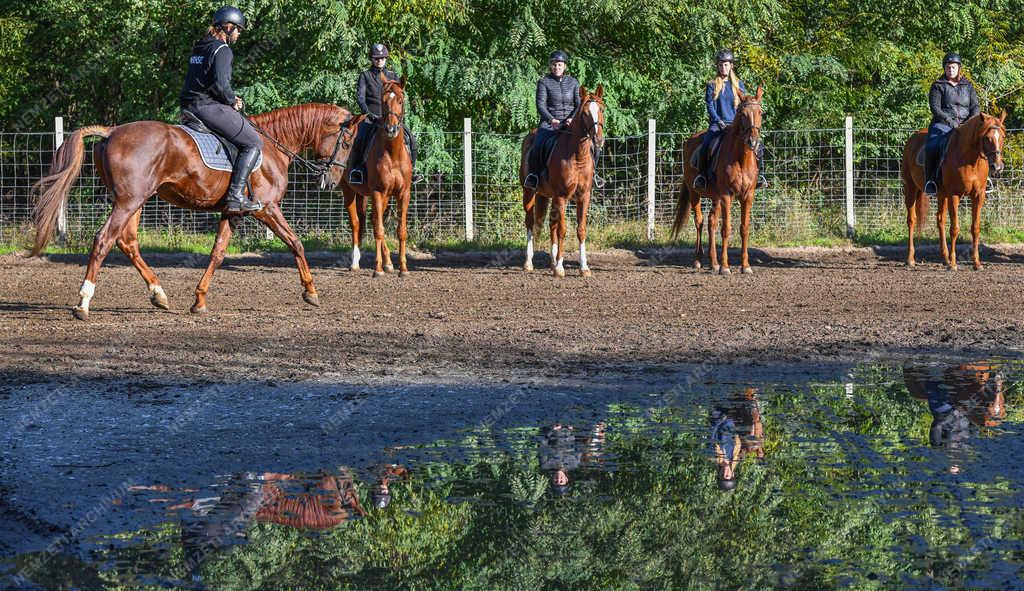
(583, 256)
(529, 247)
(554, 252)
(355, 257)
(155, 288)
(88, 290)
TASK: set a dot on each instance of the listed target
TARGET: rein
(317, 167)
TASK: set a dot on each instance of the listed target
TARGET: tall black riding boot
(237, 202)
(931, 165)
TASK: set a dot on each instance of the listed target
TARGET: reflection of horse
(735, 176)
(388, 174)
(138, 160)
(974, 148)
(570, 175)
(974, 389)
(736, 432)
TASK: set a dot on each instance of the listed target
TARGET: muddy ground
(478, 315)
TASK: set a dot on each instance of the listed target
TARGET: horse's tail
(683, 207)
(53, 189)
(922, 211)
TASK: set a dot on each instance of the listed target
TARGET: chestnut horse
(974, 148)
(735, 176)
(388, 174)
(570, 176)
(137, 160)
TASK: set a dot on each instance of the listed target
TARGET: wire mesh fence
(806, 198)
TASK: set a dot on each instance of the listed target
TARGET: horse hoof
(559, 272)
(726, 271)
(354, 268)
(528, 267)
(159, 299)
(311, 298)
(196, 309)
(697, 265)
(911, 264)
(978, 267)
(716, 268)
(748, 271)
(403, 274)
(586, 273)
(80, 313)
(389, 269)
(377, 274)
(951, 268)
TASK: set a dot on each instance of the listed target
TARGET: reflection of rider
(207, 94)
(953, 101)
(558, 99)
(369, 95)
(560, 455)
(736, 432)
(721, 98)
(957, 396)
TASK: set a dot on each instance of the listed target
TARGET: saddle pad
(213, 153)
(943, 145)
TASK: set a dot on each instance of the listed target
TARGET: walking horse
(138, 160)
(388, 174)
(974, 149)
(735, 176)
(570, 175)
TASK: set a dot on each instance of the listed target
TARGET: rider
(208, 95)
(558, 99)
(722, 97)
(368, 95)
(953, 101)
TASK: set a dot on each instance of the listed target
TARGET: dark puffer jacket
(557, 98)
(952, 105)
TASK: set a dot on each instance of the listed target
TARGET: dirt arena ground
(476, 316)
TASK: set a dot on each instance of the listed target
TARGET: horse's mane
(294, 125)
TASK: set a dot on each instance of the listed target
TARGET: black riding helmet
(378, 50)
(230, 14)
(558, 56)
(952, 58)
(724, 55)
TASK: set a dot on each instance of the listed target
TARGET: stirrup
(990, 187)
(531, 181)
(762, 182)
(931, 189)
(243, 205)
(355, 176)
(598, 181)
(700, 182)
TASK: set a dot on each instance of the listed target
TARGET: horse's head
(330, 135)
(992, 137)
(393, 106)
(592, 113)
(749, 117)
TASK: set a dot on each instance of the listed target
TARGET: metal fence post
(851, 216)
(467, 172)
(62, 213)
(652, 144)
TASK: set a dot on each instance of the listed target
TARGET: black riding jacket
(557, 98)
(953, 105)
(368, 90)
(209, 74)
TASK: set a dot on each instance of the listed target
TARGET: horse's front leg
(726, 232)
(557, 221)
(746, 204)
(381, 252)
(977, 201)
(940, 219)
(713, 221)
(954, 229)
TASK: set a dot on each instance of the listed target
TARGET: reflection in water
(957, 396)
(838, 489)
(736, 432)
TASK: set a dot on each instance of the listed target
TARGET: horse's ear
(600, 91)
(760, 92)
(402, 81)
(583, 92)
(1002, 117)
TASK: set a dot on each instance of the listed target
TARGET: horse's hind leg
(940, 219)
(713, 221)
(954, 228)
(557, 221)
(273, 218)
(101, 245)
(355, 221)
(746, 203)
(976, 202)
(220, 245)
(529, 203)
(403, 230)
(698, 223)
(911, 195)
(582, 208)
(129, 245)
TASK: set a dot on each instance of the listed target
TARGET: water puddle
(884, 475)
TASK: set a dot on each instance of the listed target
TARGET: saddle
(943, 147)
(698, 154)
(217, 152)
(543, 152)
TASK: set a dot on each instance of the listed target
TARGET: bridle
(394, 130)
(749, 130)
(992, 155)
